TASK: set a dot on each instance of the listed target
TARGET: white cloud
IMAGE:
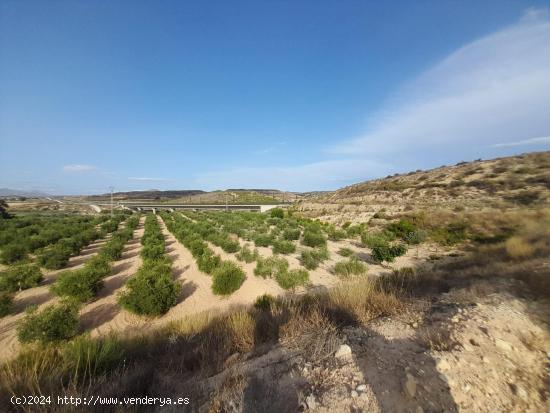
(79, 168)
(494, 90)
(318, 175)
(147, 179)
(531, 141)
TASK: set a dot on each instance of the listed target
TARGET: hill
(515, 181)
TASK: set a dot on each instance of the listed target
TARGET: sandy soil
(104, 314)
(39, 296)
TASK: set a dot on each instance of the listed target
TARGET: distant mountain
(7, 193)
(150, 194)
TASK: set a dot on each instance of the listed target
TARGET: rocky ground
(490, 354)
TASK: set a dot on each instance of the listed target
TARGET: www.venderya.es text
(98, 401)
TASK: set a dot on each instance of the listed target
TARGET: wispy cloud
(147, 179)
(531, 141)
(79, 168)
(271, 148)
(318, 175)
(489, 92)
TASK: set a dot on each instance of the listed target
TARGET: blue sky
(295, 95)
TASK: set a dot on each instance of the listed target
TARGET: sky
(294, 95)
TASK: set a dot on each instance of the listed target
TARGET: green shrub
(227, 278)
(451, 234)
(152, 251)
(373, 240)
(313, 238)
(264, 302)
(350, 267)
(208, 261)
(385, 252)
(98, 265)
(312, 258)
(336, 234)
(345, 252)
(263, 240)
(12, 253)
(80, 285)
(291, 234)
(270, 266)
(292, 279)
(55, 257)
(113, 249)
(401, 228)
(283, 247)
(230, 246)
(277, 213)
(355, 230)
(152, 291)
(20, 278)
(55, 323)
(247, 255)
(6, 299)
(415, 237)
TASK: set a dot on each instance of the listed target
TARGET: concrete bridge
(198, 207)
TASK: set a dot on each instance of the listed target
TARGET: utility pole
(111, 188)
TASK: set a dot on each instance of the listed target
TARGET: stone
(410, 385)
(443, 365)
(503, 345)
(361, 387)
(354, 394)
(311, 402)
(343, 351)
(419, 409)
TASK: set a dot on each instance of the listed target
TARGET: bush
(247, 255)
(98, 265)
(372, 240)
(451, 234)
(264, 302)
(20, 278)
(350, 267)
(311, 259)
(6, 300)
(227, 278)
(415, 237)
(152, 291)
(113, 249)
(208, 261)
(336, 234)
(92, 357)
(277, 213)
(401, 228)
(54, 323)
(263, 240)
(270, 267)
(12, 253)
(385, 252)
(80, 285)
(152, 251)
(292, 279)
(313, 238)
(283, 247)
(291, 234)
(345, 252)
(55, 257)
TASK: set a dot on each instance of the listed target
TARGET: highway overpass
(138, 206)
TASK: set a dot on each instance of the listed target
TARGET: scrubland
(422, 292)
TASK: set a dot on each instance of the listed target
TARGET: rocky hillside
(516, 181)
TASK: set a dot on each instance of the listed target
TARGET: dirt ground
(104, 314)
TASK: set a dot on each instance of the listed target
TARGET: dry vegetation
(431, 336)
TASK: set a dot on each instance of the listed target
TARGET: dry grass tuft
(518, 248)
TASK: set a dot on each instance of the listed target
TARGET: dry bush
(363, 299)
(241, 326)
(229, 396)
(518, 248)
